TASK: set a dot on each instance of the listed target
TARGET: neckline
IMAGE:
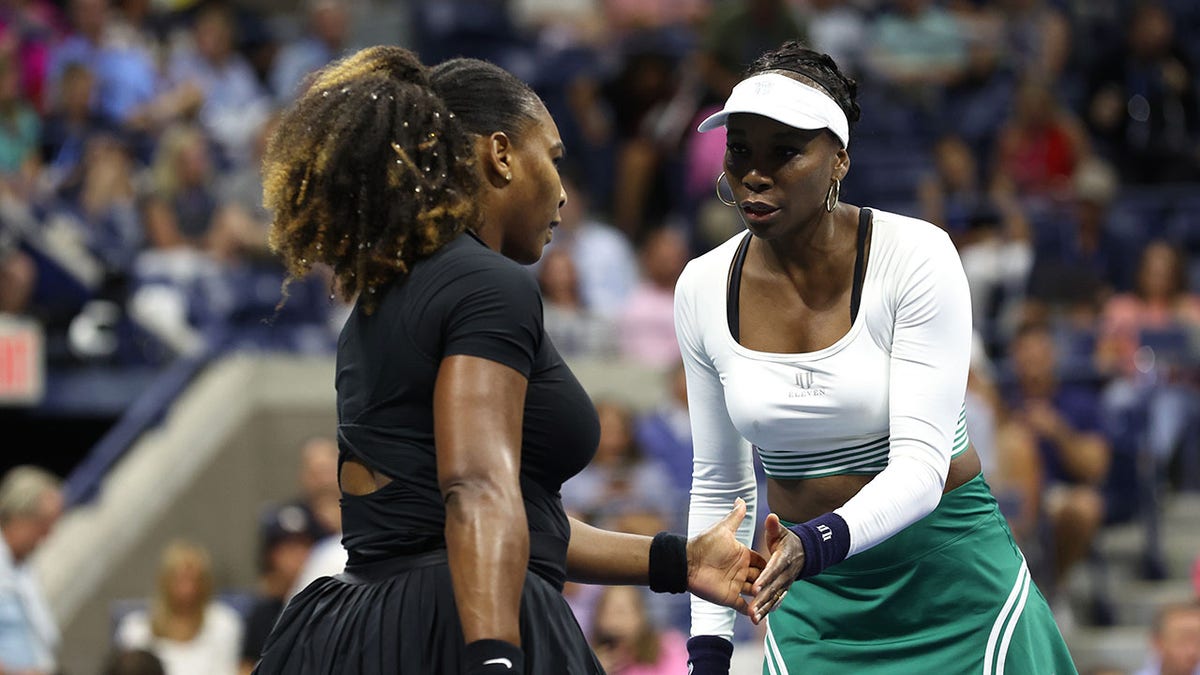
(476, 237)
(734, 285)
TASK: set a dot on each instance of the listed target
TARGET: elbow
(473, 497)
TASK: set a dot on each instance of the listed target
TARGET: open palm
(720, 568)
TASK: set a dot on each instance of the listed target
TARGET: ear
(841, 164)
(497, 158)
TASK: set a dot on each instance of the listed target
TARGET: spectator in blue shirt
(328, 22)
(30, 504)
(1063, 421)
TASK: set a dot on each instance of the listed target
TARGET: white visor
(784, 100)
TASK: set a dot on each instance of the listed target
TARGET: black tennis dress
(393, 610)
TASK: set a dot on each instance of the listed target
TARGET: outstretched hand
(721, 569)
(787, 560)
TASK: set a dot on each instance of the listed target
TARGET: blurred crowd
(1057, 141)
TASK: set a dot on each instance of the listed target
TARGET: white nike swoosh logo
(500, 662)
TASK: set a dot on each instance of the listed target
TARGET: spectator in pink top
(628, 643)
(647, 328)
(1160, 304)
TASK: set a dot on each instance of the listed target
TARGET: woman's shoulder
(906, 242)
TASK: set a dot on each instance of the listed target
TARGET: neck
(488, 229)
(815, 252)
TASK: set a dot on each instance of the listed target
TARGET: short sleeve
(494, 312)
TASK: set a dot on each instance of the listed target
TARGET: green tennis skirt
(949, 594)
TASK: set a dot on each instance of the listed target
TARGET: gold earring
(835, 193)
(729, 203)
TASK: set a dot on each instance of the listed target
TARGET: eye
(787, 151)
(737, 149)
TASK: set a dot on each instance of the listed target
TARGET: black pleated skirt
(399, 617)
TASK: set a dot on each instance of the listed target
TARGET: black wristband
(668, 563)
(493, 657)
(826, 541)
(709, 655)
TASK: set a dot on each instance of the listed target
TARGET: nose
(756, 181)
(562, 197)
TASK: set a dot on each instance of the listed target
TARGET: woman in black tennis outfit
(458, 420)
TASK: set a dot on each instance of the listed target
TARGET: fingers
(743, 608)
(761, 609)
(772, 529)
(757, 562)
(733, 519)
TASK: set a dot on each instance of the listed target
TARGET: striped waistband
(867, 457)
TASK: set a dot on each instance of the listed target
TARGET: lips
(758, 211)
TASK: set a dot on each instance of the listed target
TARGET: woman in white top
(189, 632)
(836, 340)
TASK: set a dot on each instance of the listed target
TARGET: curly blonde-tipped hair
(367, 173)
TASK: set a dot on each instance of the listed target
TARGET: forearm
(597, 556)
(487, 541)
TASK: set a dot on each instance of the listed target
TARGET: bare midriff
(803, 499)
(358, 479)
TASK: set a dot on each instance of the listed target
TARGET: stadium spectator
(736, 33)
(997, 255)
(1161, 301)
(836, 28)
(915, 48)
(190, 631)
(1144, 345)
(284, 545)
(1073, 453)
(328, 23)
(126, 76)
(28, 30)
(622, 489)
(20, 126)
(647, 328)
(627, 641)
(71, 122)
(1082, 250)
(234, 104)
(1039, 147)
(665, 434)
(1037, 38)
(18, 275)
(603, 257)
(1175, 641)
(577, 331)
(30, 504)
(950, 194)
(1141, 101)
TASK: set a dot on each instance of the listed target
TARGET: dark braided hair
(817, 68)
(485, 97)
(367, 172)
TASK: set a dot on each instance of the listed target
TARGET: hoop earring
(835, 193)
(731, 203)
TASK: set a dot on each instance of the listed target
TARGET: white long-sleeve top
(885, 399)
